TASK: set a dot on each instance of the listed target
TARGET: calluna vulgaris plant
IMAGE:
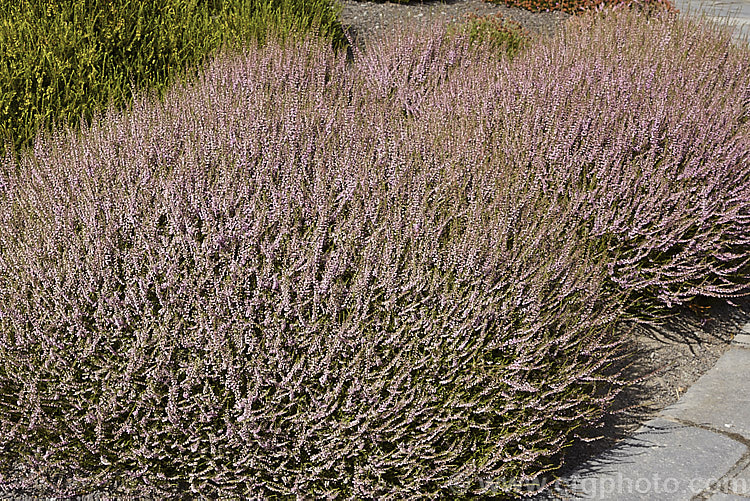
(387, 279)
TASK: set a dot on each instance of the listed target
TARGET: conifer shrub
(397, 278)
(65, 59)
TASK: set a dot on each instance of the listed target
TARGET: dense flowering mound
(388, 279)
(646, 133)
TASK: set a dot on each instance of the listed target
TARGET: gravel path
(368, 20)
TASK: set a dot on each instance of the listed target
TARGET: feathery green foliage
(65, 59)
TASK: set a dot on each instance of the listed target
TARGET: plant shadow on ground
(664, 359)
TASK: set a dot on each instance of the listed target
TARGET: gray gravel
(369, 20)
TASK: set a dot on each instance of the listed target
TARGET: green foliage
(62, 60)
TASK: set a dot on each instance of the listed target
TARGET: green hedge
(65, 59)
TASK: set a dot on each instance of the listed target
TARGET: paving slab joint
(721, 483)
(742, 340)
(726, 484)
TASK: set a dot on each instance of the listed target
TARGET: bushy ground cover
(66, 59)
(388, 278)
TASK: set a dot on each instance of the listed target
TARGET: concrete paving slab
(739, 483)
(733, 12)
(741, 341)
(720, 399)
(662, 460)
(727, 497)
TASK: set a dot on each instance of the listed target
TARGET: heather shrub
(642, 124)
(269, 283)
(300, 277)
(65, 59)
